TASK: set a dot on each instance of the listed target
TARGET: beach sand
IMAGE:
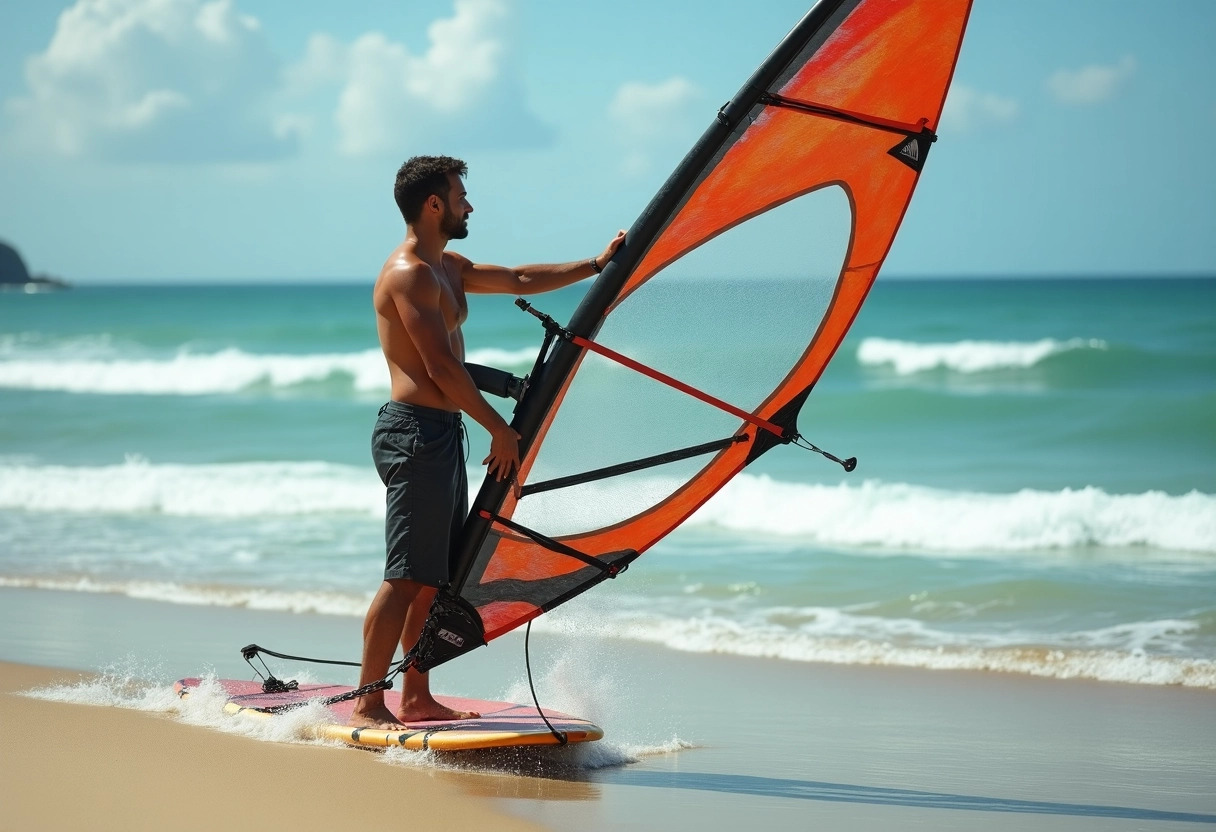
(775, 744)
(66, 766)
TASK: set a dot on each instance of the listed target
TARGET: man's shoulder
(403, 273)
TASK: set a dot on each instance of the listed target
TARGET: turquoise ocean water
(1035, 493)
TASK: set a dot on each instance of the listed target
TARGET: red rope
(764, 424)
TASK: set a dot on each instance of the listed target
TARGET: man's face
(455, 221)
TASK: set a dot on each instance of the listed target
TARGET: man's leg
(382, 631)
(417, 703)
(397, 615)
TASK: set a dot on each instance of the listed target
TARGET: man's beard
(454, 227)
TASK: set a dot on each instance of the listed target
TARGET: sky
(255, 140)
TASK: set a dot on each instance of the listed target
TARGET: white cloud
(196, 80)
(153, 80)
(969, 109)
(647, 111)
(462, 91)
(324, 63)
(1090, 84)
(651, 118)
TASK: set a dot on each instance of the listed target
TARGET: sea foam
(1145, 652)
(255, 489)
(836, 636)
(908, 357)
(204, 707)
(316, 601)
(227, 371)
(901, 516)
(871, 515)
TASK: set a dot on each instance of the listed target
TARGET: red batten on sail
(888, 62)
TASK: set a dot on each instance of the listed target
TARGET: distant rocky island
(15, 277)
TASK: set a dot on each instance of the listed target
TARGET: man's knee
(410, 590)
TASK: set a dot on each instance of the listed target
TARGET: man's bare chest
(452, 301)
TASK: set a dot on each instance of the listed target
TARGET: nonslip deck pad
(501, 724)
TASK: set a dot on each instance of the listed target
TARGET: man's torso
(410, 381)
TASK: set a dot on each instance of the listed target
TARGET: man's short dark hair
(422, 176)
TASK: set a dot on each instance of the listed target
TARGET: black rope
(252, 650)
(421, 650)
(562, 739)
(269, 683)
(383, 684)
(847, 464)
(272, 685)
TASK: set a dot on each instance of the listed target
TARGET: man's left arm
(536, 278)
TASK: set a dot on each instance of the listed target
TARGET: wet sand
(785, 744)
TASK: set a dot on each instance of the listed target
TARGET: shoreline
(715, 740)
(595, 621)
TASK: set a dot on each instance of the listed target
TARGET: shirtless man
(420, 304)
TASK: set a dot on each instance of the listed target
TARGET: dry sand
(79, 767)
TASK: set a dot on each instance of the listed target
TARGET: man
(420, 305)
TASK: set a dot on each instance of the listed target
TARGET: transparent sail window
(730, 318)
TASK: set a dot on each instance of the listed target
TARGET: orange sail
(633, 419)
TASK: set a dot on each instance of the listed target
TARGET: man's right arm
(416, 294)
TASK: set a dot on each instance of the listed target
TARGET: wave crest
(226, 371)
(908, 357)
(252, 489)
(900, 516)
(885, 516)
(834, 644)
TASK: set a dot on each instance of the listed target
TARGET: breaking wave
(886, 516)
(253, 489)
(908, 357)
(901, 516)
(226, 371)
(834, 636)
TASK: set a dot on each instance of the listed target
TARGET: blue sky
(169, 140)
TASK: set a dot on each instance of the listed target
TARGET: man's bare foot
(429, 710)
(380, 718)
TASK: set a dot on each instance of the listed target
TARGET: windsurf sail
(661, 388)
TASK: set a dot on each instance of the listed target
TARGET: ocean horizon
(168, 282)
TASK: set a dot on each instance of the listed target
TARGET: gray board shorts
(419, 456)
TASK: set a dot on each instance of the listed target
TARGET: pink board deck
(500, 724)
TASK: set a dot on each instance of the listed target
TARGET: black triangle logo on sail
(911, 151)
